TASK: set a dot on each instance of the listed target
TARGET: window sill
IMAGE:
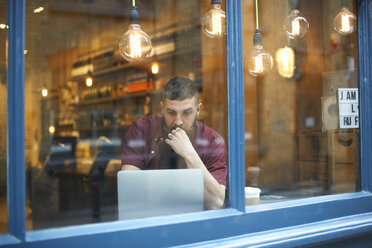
(127, 226)
(306, 220)
(298, 236)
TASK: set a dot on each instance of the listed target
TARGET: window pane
(3, 106)
(82, 97)
(302, 117)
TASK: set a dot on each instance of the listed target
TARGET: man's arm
(129, 167)
(214, 193)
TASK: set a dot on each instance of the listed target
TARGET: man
(175, 139)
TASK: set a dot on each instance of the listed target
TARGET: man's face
(180, 113)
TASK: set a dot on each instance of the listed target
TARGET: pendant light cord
(256, 15)
(133, 3)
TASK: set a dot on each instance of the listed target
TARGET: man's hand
(180, 143)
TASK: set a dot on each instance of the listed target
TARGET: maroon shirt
(143, 138)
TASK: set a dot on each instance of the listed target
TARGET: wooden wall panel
(214, 79)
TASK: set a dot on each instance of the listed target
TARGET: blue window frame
(296, 222)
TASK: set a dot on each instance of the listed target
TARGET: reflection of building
(290, 132)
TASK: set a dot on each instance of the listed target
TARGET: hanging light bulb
(295, 25)
(259, 61)
(285, 61)
(52, 129)
(4, 26)
(214, 21)
(89, 81)
(135, 44)
(44, 92)
(345, 22)
(155, 68)
(38, 10)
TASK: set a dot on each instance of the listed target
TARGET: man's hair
(180, 88)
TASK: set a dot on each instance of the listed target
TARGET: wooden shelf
(117, 98)
(66, 124)
(102, 128)
(118, 67)
(141, 64)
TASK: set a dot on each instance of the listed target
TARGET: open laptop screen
(148, 193)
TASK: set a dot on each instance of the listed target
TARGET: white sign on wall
(348, 106)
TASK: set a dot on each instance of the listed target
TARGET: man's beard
(190, 132)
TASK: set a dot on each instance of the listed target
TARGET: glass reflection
(301, 138)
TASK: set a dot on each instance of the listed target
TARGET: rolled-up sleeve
(214, 157)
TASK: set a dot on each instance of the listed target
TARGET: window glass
(82, 98)
(3, 106)
(302, 117)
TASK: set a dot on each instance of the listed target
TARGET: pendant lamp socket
(257, 39)
(295, 4)
(134, 16)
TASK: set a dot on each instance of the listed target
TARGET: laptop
(149, 193)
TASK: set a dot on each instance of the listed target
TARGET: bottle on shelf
(147, 106)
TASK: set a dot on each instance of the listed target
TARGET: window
(303, 222)
(82, 96)
(302, 138)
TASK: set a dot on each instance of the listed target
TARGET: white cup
(252, 195)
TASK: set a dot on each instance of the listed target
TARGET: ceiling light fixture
(285, 61)
(295, 25)
(89, 81)
(260, 62)
(155, 68)
(345, 21)
(4, 26)
(135, 44)
(52, 129)
(214, 21)
(44, 92)
(38, 10)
